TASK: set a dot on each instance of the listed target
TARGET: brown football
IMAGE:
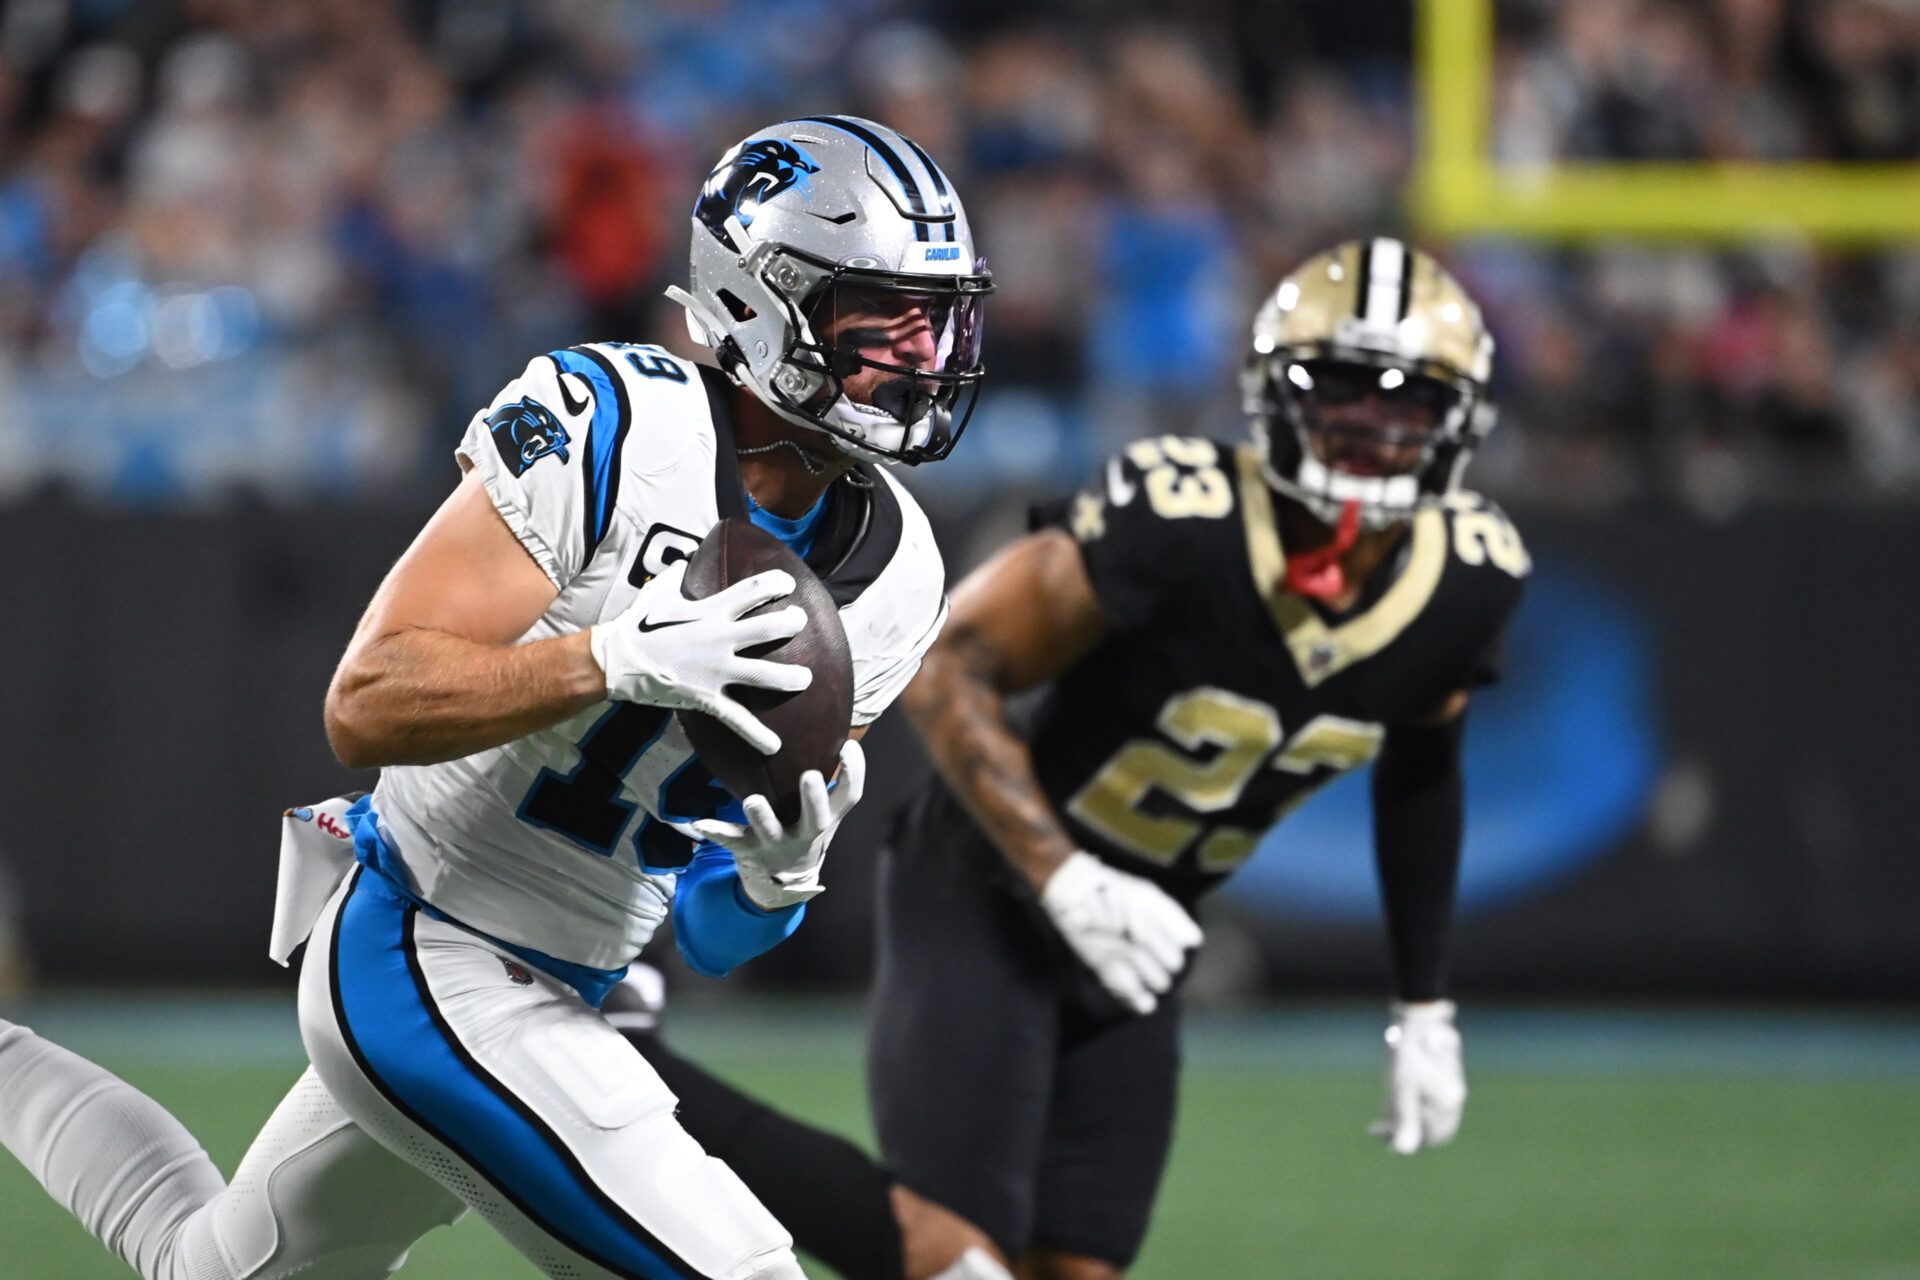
(813, 723)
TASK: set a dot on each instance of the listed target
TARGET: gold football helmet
(1367, 382)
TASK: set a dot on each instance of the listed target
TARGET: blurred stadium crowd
(284, 249)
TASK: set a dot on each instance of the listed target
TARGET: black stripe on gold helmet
(1367, 379)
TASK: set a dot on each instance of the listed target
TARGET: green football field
(1598, 1145)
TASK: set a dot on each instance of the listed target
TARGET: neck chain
(813, 462)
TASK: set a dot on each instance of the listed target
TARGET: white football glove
(780, 865)
(670, 651)
(1123, 927)
(1426, 1088)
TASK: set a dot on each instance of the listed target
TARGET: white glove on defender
(674, 652)
(1426, 1088)
(1124, 927)
(780, 865)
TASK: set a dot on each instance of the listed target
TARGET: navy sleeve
(716, 926)
(1418, 820)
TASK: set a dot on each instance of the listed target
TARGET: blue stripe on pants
(404, 1047)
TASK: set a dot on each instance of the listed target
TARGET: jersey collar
(860, 529)
(1321, 651)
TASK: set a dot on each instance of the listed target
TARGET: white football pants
(495, 1086)
(315, 1198)
(509, 1090)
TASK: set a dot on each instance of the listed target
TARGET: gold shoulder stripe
(1319, 651)
(1264, 552)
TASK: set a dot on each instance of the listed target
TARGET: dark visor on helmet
(1364, 418)
(1418, 400)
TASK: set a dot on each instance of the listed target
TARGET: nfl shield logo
(517, 973)
(1321, 656)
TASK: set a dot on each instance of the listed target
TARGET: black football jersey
(1219, 700)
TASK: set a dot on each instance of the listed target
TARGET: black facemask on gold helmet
(1367, 382)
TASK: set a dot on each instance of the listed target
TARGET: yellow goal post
(1457, 189)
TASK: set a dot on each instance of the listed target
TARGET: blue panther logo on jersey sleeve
(525, 432)
(754, 174)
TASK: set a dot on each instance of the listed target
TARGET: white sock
(975, 1264)
(112, 1157)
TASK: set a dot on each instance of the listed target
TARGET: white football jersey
(609, 462)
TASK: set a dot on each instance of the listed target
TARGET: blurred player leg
(314, 1197)
(506, 1087)
(111, 1156)
(1108, 1135)
(941, 1245)
(835, 1200)
(16, 971)
(961, 1035)
(1046, 1265)
(841, 1206)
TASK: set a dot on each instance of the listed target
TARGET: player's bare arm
(1019, 620)
(433, 672)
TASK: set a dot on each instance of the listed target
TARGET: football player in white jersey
(539, 810)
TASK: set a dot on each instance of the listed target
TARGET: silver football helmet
(816, 243)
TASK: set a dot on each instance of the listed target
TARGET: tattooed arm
(1019, 620)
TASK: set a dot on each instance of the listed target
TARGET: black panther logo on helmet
(525, 432)
(754, 174)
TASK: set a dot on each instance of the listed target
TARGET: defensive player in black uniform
(1220, 629)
